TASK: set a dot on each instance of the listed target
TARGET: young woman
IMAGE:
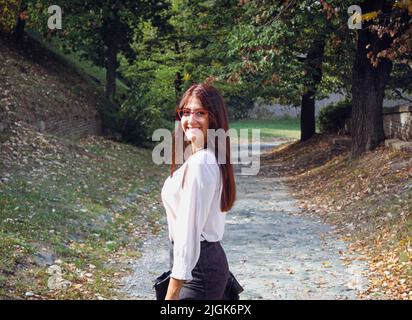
(196, 198)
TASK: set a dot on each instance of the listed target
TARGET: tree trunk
(307, 116)
(21, 23)
(368, 87)
(314, 71)
(112, 45)
(179, 78)
(19, 31)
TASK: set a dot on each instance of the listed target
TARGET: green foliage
(250, 48)
(9, 12)
(150, 106)
(89, 29)
(332, 118)
(111, 116)
(89, 25)
(202, 30)
(238, 98)
(238, 105)
(273, 40)
(152, 100)
(400, 81)
(98, 31)
(138, 116)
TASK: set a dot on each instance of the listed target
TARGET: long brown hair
(212, 101)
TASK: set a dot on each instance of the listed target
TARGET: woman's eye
(200, 114)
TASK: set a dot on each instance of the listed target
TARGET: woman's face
(195, 122)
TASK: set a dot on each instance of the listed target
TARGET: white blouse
(193, 211)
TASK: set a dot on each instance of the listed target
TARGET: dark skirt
(210, 274)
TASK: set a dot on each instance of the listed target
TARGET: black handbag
(161, 284)
(232, 290)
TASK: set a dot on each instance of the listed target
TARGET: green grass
(80, 195)
(285, 128)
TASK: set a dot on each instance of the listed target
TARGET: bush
(332, 118)
(9, 14)
(132, 121)
(238, 106)
(111, 117)
(140, 121)
(237, 99)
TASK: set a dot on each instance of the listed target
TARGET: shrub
(237, 98)
(139, 121)
(111, 117)
(238, 106)
(9, 14)
(332, 118)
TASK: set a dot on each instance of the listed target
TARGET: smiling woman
(196, 198)
(195, 122)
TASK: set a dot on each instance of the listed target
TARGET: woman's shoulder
(203, 166)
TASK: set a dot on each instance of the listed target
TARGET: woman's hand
(173, 291)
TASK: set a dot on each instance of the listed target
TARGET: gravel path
(278, 253)
(274, 250)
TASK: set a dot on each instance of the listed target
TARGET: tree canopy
(291, 52)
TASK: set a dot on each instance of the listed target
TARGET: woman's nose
(192, 119)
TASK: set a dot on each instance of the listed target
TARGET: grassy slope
(97, 74)
(37, 84)
(73, 203)
(88, 202)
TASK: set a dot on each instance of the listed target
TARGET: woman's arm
(173, 290)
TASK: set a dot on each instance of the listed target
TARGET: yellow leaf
(369, 16)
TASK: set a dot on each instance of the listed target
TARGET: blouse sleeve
(200, 185)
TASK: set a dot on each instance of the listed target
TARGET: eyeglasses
(199, 114)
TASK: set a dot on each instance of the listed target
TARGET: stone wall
(278, 111)
(75, 126)
(397, 122)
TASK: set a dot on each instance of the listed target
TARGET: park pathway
(275, 251)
